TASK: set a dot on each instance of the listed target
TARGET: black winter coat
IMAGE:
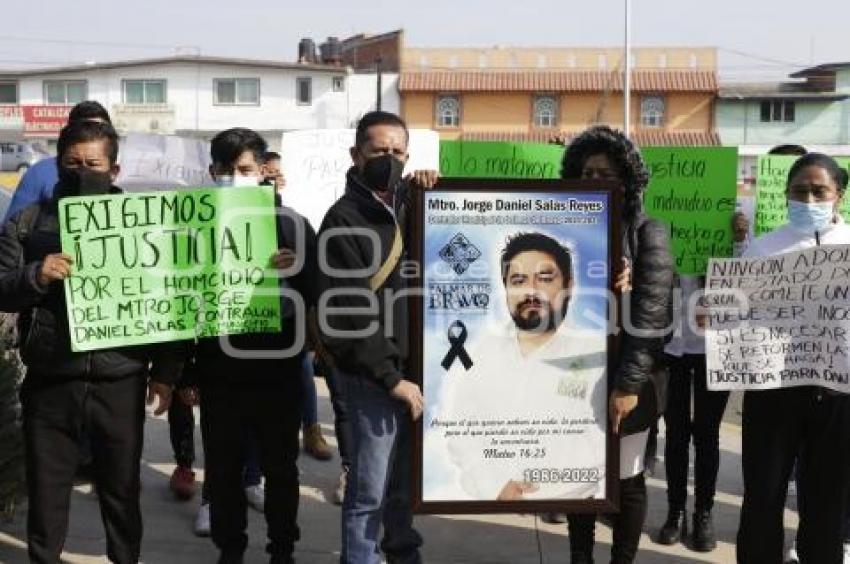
(25, 240)
(264, 362)
(648, 317)
(380, 353)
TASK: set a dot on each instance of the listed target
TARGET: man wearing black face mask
(66, 394)
(38, 181)
(369, 348)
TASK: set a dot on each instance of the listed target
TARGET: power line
(764, 59)
(40, 62)
(92, 43)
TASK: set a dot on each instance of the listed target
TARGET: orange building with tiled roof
(535, 94)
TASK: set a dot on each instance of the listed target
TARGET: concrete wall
(511, 112)
(816, 123)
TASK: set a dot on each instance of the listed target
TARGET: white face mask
(238, 180)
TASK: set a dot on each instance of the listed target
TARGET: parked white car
(17, 156)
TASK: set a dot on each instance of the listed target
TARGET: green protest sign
(163, 266)
(485, 159)
(771, 179)
(693, 190)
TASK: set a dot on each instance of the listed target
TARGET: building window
(144, 91)
(8, 92)
(777, 110)
(652, 111)
(237, 91)
(339, 84)
(67, 92)
(304, 90)
(448, 111)
(545, 111)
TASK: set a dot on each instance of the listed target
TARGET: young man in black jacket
(258, 389)
(65, 394)
(364, 323)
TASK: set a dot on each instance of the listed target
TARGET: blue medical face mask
(810, 217)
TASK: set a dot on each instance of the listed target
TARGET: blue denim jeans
(378, 486)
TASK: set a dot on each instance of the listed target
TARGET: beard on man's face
(534, 314)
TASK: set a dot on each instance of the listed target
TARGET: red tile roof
(557, 81)
(643, 138)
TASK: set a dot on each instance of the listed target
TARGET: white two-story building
(194, 96)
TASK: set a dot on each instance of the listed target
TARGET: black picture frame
(417, 233)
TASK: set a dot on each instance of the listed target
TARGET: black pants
(181, 430)
(56, 415)
(779, 425)
(342, 427)
(273, 415)
(704, 426)
(627, 526)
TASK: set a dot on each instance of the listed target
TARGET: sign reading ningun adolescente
(164, 266)
(780, 321)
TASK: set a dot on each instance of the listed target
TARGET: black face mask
(84, 181)
(382, 173)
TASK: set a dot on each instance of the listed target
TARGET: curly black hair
(623, 155)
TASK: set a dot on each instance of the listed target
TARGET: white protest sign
(779, 321)
(163, 162)
(314, 163)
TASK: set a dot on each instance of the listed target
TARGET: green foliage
(12, 483)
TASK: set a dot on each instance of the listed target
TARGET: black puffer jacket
(25, 239)
(647, 318)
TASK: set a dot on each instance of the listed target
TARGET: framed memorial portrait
(512, 342)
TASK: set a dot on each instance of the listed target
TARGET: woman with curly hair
(638, 381)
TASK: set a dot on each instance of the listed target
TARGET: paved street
(456, 539)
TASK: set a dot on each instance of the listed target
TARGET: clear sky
(757, 39)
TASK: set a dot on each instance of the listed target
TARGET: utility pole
(378, 62)
(627, 77)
